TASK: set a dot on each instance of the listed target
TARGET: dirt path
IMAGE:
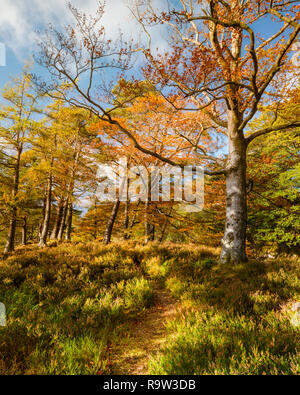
(146, 335)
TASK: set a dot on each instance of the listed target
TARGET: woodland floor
(169, 309)
(146, 335)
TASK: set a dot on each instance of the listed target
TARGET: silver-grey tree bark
(234, 239)
(229, 76)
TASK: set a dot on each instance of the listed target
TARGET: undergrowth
(237, 319)
(67, 306)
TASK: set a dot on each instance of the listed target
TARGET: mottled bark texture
(234, 240)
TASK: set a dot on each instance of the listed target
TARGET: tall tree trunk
(133, 220)
(152, 234)
(10, 242)
(95, 220)
(24, 231)
(69, 218)
(42, 221)
(126, 221)
(149, 228)
(45, 227)
(165, 225)
(55, 230)
(63, 220)
(111, 221)
(234, 240)
(69, 214)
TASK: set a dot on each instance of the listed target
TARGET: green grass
(63, 306)
(68, 305)
(237, 319)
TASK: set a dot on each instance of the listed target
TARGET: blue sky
(19, 20)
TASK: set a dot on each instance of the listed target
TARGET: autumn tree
(69, 144)
(160, 129)
(17, 123)
(274, 168)
(216, 59)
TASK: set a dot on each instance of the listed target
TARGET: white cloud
(20, 19)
